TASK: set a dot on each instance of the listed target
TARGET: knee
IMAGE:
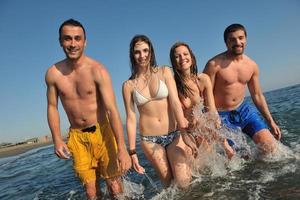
(266, 147)
(183, 182)
(182, 175)
(265, 141)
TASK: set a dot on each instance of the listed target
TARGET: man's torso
(230, 82)
(78, 93)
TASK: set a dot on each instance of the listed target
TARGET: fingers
(190, 141)
(139, 169)
(63, 153)
(124, 165)
(194, 150)
(277, 133)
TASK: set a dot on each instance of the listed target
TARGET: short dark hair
(71, 22)
(134, 40)
(232, 28)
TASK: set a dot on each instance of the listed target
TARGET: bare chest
(234, 74)
(74, 87)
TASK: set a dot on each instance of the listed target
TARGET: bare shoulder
(98, 70)
(214, 63)
(252, 67)
(128, 86)
(250, 62)
(54, 71)
(203, 78)
(95, 65)
(165, 70)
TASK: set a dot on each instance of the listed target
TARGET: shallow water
(39, 174)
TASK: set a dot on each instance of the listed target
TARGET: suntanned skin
(231, 72)
(202, 93)
(85, 90)
(156, 118)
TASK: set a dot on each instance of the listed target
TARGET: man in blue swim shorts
(230, 73)
(244, 117)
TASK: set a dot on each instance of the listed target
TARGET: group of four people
(164, 100)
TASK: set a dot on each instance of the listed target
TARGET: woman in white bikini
(153, 90)
(195, 90)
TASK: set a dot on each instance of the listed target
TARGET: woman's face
(141, 53)
(183, 58)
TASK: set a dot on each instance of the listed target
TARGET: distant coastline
(22, 148)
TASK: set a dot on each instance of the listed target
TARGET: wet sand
(22, 148)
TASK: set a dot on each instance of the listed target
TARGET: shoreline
(22, 148)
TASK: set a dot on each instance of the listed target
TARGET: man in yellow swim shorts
(96, 138)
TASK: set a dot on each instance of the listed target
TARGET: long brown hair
(182, 88)
(134, 40)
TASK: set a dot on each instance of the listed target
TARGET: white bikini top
(162, 92)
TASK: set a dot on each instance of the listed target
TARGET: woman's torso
(151, 98)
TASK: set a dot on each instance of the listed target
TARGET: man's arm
(104, 83)
(208, 92)
(211, 70)
(60, 148)
(260, 102)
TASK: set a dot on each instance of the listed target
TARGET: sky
(29, 45)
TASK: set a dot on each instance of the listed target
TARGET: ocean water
(40, 175)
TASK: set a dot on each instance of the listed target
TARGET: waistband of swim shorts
(90, 129)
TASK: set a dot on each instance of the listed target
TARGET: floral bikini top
(201, 100)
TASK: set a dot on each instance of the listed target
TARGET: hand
(124, 162)
(218, 123)
(275, 130)
(137, 167)
(61, 150)
(190, 141)
(228, 149)
(214, 116)
(183, 125)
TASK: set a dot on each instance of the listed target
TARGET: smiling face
(73, 42)
(236, 42)
(141, 53)
(183, 58)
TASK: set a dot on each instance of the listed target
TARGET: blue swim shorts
(245, 117)
(163, 140)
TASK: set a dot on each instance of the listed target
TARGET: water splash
(131, 190)
(151, 182)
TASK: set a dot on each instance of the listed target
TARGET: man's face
(72, 41)
(236, 42)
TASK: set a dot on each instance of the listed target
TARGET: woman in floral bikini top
(196, 96)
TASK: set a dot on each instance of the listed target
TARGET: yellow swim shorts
(94, 153)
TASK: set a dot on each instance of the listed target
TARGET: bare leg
(179, 156)
(114, 186)
(91, 190)
(265, 141)
(157, 156)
